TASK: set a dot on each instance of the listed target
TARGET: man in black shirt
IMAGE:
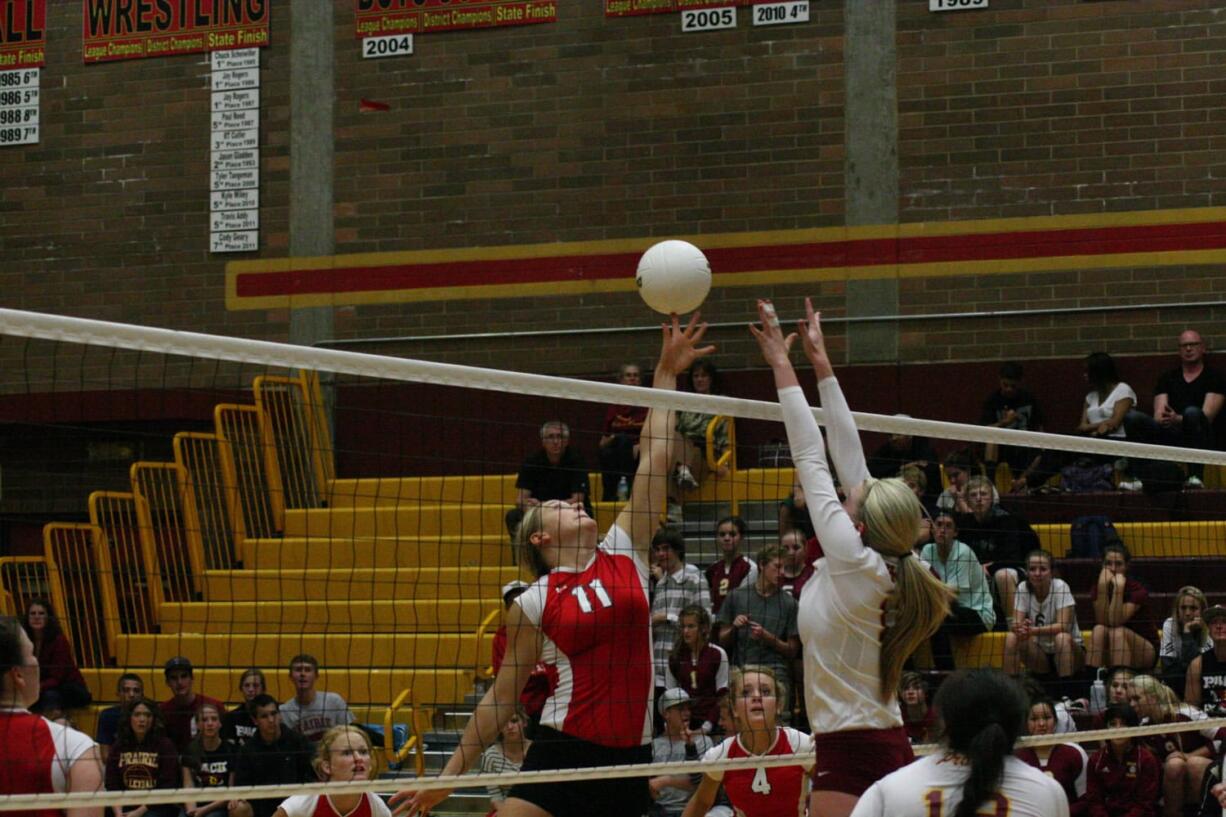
(554, 472)
(1013, 406)
(1187, 401)
(274, 756)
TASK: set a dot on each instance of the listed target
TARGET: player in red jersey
(36, 755)
(343, 756)
(589, 616)
(779, 791)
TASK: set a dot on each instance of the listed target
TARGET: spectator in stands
(1044, 634)
(208, 763)
(918, 718)
(796, 568)
(505, 755)
(677, 743)
(1013, 406)
(955, 563)
(275, 756)
(794, 513)
(733, 568)
(1123, 779)
(1066, 762)
(691, 449)
(1119, 691)
(1105, 412)
(1206, 682)
(1184, 756)
(960, 466)
(539, 686)
(129, 688)
(1123, 634)
(554, 472)
(238, 726)
(758, 622)
(1184, 636)
(344, 756)
(63, 687)
(1000, 539)
(143, 757)
(180, 712)
(619, 439)
(699, 667)
(1187, 401)
(312, 712)
(676, 585)
(906, 451)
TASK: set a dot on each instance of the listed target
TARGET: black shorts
(615, 797)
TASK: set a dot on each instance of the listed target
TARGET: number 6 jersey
(595, 626)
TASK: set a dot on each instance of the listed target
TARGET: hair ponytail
(920, 601)
(526, 553)
(982, 712)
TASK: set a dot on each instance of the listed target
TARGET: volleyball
(673, 276)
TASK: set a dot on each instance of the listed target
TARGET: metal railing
(286, 404)
(168, 513)
(253, 469)
(414, 745)
(134, 563)
(484, 670)
(82, 590)
(204, 457)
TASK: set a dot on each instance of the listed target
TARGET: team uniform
(859, 736)
(1042, 612)
(595, 626)
(1212, 683)
(724, 579)
(1066, 765)
(932, 787)
(704, 678)
(38, 754)
(769, 792)
(315, 805)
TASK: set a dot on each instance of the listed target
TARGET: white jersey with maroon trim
(595, 625)
(315, 805)
(932, 787)
(768, 792)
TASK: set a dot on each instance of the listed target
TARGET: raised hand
(679, 349)
(775, 347)
(411, 803)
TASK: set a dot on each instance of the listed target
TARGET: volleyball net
(245, 504)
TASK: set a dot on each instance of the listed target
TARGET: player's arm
(703, 798)
(491, 714)
(641, 514)
(1191, 689)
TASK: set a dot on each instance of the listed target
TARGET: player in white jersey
(975, 773)
(870, 603)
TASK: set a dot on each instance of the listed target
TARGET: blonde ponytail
(919, 603)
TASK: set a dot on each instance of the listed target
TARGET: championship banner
(131, 30)
(23, 29)
(632, 8)
(378, 18)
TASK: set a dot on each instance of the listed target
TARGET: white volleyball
(673, 276)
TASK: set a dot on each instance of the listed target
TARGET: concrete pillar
(871, 163)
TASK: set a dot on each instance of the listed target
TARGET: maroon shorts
(853, 760)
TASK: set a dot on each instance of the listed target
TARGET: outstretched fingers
(775, 347)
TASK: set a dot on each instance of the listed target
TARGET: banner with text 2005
(378, 18)
(127, 30)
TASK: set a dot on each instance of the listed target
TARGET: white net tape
(288, 356)
(471, 781)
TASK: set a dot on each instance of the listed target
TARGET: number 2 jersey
(932, 787)
(595, 624)
(767, 792)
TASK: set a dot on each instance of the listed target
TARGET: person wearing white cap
(676, 743)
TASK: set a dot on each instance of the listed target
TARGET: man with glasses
(554, 472)
(1187, 400)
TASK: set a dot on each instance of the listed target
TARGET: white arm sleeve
(1168, 648)
(722, 675)
(845, 448)
(833, 526)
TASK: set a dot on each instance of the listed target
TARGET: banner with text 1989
(629, 8)
(124, 30)
(378, 18)
(23, 28)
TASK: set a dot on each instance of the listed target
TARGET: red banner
(631, 8)
(378, 18)
(134, 29)
(23, 29)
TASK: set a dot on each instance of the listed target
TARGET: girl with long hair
(982, 712)
(62, 686)
(142, 758)
(699, 667)
(1123, 635)
(779, 790)
(1184, 756)
(588, 615)
(209, 762)
(1184, 636)
(237, 725)
(870, 603)
(343, 755)
(1065, 762)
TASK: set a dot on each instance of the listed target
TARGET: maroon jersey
(1127, 787)
(1163, 745)
(1066, 764)
(596, 628)
(705, 680)
(774, 792)
(1135, 593)
(723, 579)
(794, 584)
(920, 730)
(625, 420)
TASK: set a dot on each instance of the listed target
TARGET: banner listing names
(234, 158)
(135, 29)
(379, 18)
